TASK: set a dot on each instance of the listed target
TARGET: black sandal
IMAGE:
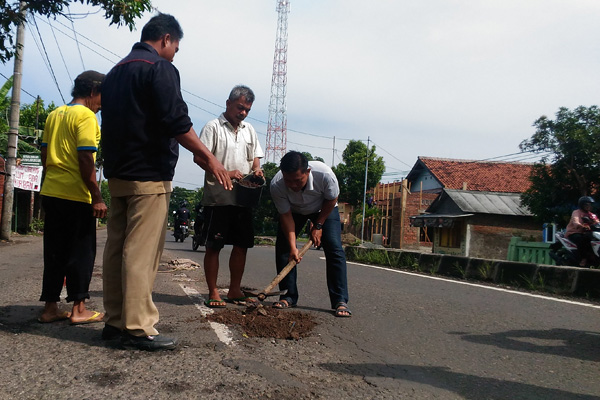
(282, 304)
(341, 308)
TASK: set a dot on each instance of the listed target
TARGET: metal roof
(488, 202)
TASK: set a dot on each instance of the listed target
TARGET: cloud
(452, 78)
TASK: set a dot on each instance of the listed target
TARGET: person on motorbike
(579, 229)
(182, 215)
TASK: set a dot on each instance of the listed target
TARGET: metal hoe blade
(286, 270)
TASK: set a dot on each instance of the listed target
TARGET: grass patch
(537, 283)
(379, 257)
(486, 271)
(460, 270)
(412, 262)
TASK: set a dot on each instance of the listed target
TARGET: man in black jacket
(144, 119)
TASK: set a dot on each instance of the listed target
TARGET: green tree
(570, 170)
(5, 105)
(356, 217)
(198, 194)
(118, 12)
(105, 193)
(105, 197)
(178, 195)
(265, 214)
(351, 172)
(29, 115)
(311, 158)
(34, 115)
(22, 146)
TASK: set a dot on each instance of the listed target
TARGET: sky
(440, 78)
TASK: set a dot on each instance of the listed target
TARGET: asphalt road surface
(411, 337)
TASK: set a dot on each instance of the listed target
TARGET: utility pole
(333, 153)
(362, 229)
(277, 127)
(403, 210)
(13, 131)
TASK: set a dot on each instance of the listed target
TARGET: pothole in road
(267, 322)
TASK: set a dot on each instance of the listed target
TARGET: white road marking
(221, 330)
(437, 278)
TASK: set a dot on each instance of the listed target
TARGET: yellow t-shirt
(68, 129)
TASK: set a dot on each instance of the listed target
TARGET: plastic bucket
(247, 191)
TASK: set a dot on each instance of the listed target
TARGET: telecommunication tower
(277, 128)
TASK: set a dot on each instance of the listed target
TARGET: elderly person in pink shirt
(578, 229)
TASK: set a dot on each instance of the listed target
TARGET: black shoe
(148, 343)
(110, 332)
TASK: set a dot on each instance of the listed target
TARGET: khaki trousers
(136, 237)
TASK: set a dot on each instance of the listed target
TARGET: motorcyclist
(579, 229)
(182, 215)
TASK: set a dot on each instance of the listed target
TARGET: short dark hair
(241, 90)
(87, 83)
(293, 161)
(159, 26)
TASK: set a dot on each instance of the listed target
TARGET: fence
(531, 252)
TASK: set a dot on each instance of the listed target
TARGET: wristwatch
(318, 226)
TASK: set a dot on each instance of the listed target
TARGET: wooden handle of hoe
(286, 270)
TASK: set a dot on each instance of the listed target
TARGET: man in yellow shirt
(71, 200)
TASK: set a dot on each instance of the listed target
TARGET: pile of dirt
(267, 322)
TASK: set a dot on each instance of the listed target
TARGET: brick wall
(416, 203)
(490, 235)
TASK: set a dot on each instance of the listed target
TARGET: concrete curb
(574, 281)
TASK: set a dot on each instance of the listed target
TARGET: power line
(507, 155)
(520, 156)
(391, 155)
(22, 90)
(88, 39)
(321, 136)
(208, 101)
(312, 147)
(86, 46)
(257, 131)
(35, 39)
(187, 183)
(515, 157)
(60, 52)
(183, 90)
(76, 41)
(531, 157)
(48, 58)
(200, 108)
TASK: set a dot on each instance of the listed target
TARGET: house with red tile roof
(463, 207)
(434, 174)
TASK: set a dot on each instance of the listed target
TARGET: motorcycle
(196, 236)
(181, 232)
(565, 252)
(197, 233)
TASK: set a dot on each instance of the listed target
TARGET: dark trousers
(335, 258)
(69, 248)
(584, 245)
